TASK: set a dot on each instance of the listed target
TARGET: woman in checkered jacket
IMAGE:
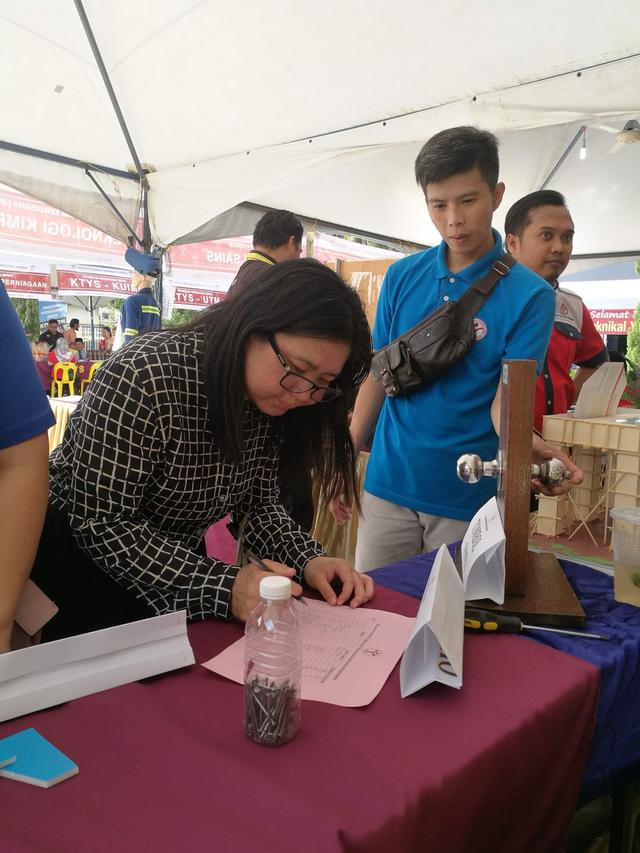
(184, 426)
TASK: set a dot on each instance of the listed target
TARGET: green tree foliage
(27, 310)
(633, 339)
(179, 316)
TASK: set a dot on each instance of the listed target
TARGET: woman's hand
(320, 572)
(245, 592)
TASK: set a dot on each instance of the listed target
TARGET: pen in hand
(258, 562)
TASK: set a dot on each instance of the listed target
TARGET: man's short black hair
(53, 320)
(78, 341)
(455, 151)
(275, 228)
(74, 320)
(519, 214)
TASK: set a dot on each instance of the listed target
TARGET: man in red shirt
(539, 233)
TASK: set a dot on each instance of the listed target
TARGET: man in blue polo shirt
(413, 501)
(25, 417)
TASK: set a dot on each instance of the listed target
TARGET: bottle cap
(275, 588)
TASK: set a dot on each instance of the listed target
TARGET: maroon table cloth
(44, 372)
(165, 766)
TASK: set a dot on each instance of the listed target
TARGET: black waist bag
(438, 342)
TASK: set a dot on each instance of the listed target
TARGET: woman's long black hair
(304, 298)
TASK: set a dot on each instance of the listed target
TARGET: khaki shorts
(388, 532)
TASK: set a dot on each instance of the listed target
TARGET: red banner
(96, 284)
(32, 283)
(612, 321)
(195, 298)
(214, 256)
(25, 220)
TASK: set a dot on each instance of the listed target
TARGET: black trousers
(87, 598)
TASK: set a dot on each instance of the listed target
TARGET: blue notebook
(37, 761)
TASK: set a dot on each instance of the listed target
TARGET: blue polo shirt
(418, 438)
(24, 409)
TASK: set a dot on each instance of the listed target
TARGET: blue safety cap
(143, 263)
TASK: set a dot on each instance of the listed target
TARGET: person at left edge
(180, 428)
(141, 312)
(25, 417)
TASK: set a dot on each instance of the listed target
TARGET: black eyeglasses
(298, 384)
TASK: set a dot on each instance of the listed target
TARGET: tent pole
(110, 91)
(564, 156)
(93, 329)
(66, 161)
(146, 229)
(594, 256)
(160, 288)
(112, 206)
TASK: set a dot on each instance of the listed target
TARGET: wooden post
(536, 588)
(517, 391)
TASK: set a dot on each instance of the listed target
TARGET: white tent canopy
(318, 108)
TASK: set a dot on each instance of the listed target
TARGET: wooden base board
(549, 601)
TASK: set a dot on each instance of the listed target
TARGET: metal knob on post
(470, 468)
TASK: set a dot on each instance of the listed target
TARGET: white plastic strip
(41, 676)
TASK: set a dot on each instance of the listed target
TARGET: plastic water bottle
(273, 665)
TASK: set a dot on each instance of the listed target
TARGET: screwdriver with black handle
(483, 621)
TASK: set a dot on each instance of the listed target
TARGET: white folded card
(45, 675)
(434, 651)
(483, 555)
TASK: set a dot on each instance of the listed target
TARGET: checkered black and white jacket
(141, 479)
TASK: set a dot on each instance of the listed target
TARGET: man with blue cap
(141, 312)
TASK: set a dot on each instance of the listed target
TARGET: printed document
(483, 549)
(347, 655)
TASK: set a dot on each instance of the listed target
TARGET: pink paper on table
(35, 609)
(347, 654)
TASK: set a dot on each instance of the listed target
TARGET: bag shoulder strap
(475, 297)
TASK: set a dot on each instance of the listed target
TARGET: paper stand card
(38, 762)
(483, 550)
(434, 651)
(45, 675)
